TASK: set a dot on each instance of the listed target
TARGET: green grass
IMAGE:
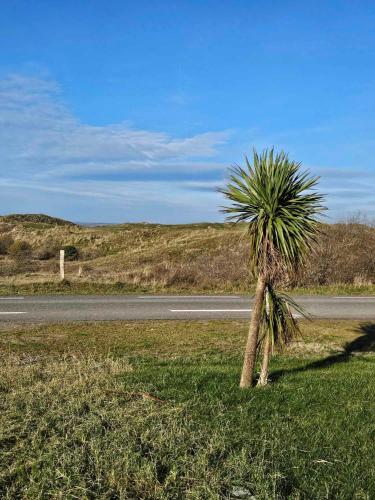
(76, 287)
(67, 287)
(78, 417)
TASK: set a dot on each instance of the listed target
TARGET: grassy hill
(187, 258)
(35, 219)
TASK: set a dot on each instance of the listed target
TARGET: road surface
(85, 308)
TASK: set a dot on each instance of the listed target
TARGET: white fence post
(62, 264)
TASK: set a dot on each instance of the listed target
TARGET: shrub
(64, 284)
(71, 252)
(46, 253)
(20, 249)
(5, 243)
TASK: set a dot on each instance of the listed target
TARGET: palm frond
(278, 321)
(278, 201)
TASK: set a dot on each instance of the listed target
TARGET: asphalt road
(84, 308)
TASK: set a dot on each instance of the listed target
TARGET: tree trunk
(263, 379)
(252, 339)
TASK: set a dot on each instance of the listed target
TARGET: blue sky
(132, 111)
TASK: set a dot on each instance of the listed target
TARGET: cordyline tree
(278, 202)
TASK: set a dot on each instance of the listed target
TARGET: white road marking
(220, 310)
(188, 297)
(209, 310)
(12, 298)
(354, 298)
(13, 312)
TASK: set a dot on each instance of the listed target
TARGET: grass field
(152, 410)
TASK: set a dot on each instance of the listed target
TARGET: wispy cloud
(40, 136)
(118, 172)
(47, 151)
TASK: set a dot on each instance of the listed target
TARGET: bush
(46, 253)
(5, 243)
(20, 250)
(71, 252)
(64, 284)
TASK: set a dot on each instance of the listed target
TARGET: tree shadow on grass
(364, 343)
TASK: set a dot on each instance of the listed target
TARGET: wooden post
(62, 264)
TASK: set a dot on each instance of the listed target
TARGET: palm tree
(276, 199)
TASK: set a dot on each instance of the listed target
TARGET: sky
(117, 110)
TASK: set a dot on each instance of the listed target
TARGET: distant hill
(35, 218)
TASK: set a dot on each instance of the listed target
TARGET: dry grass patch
(209, 258)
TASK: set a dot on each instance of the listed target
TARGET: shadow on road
(364, 343)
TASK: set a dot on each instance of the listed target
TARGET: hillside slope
(35, 218)
(200, 257)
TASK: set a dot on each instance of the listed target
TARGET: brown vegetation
(197, 257)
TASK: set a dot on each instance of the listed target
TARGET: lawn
(153, 410)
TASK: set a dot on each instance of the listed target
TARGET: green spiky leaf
(278, 320)
(278, 201)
